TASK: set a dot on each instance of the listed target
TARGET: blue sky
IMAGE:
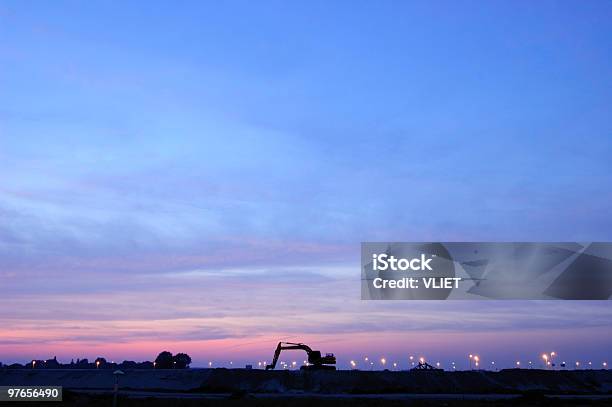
(198, 143)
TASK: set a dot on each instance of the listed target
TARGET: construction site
(221, 384)
(319, 378)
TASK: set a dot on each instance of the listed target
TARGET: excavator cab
(314, 356)
(315, 360)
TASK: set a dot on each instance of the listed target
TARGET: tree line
(165, 360)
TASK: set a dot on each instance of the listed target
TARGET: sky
(198, 176)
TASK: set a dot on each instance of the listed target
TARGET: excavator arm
(287, 346)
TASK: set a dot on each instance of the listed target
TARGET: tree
(100, 362)
(182, 361)
(164, 360)
(128, 364)
(83, 363)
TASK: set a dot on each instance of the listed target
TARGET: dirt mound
(348, 382)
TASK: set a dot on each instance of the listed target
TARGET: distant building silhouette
(165, 360)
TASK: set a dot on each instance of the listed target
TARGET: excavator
(315, 360)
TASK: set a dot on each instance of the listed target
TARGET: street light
(474, 358)
(353, 364)
(552, 358)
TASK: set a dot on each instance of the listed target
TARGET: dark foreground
(241, 399)
(225, 387)
(510, 381)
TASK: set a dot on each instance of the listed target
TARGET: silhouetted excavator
(315, 360)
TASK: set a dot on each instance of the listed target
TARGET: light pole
(552, 360)
(116, 373)
(474, 359)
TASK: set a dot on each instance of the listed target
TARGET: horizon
(198, 178)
